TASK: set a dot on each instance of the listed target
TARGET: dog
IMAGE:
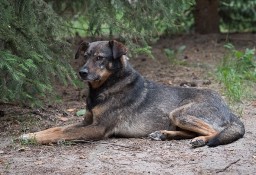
(122, 103)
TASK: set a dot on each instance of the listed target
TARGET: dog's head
(102, 59)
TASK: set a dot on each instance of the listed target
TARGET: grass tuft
(237, 73)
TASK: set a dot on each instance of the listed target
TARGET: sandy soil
(196, 65)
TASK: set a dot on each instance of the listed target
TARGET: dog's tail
(234, 131)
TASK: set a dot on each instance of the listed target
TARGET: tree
(211, 16)
(206, 16)
(33, 53)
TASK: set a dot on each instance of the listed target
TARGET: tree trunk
(206, 16)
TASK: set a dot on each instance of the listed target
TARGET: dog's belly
(140, 125)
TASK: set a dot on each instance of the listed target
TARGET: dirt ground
(196, 65)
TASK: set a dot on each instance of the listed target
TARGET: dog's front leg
(67, 133)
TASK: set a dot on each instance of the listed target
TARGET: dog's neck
(116, 83)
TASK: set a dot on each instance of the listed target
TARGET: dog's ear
(118, 49)
(83, 47)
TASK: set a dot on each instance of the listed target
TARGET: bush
(238, 72)
(33, 54)
(237, 15)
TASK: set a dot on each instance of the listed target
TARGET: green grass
(173, 55)
(237, 73)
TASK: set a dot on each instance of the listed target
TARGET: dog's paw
(197, 143)
(157, 135)
(27, 137)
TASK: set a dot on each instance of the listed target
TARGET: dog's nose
(83, 72)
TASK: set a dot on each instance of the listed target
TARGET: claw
(157, 135)
(197, 143)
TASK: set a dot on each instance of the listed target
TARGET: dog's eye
(99, 58)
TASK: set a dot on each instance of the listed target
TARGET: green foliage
(143, 20)
(237, 72)
(174, 55)
(237, 15)
(32, 51)
(135, 22)
(81, 112)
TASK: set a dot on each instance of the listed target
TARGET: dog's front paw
(27, 137)
(157, 135)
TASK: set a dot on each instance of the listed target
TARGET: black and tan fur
(121, 103)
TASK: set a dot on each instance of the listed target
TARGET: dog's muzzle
(83, 73)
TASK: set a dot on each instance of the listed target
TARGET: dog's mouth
(91, 78)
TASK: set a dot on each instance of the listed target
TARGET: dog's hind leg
(191, 123)
(189, 127)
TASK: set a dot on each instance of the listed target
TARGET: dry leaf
(254, 103)
(71, 109)
(39, 162)
(81, 157)
(2, 161)
(64, 119)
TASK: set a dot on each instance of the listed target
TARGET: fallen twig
(226, 167)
